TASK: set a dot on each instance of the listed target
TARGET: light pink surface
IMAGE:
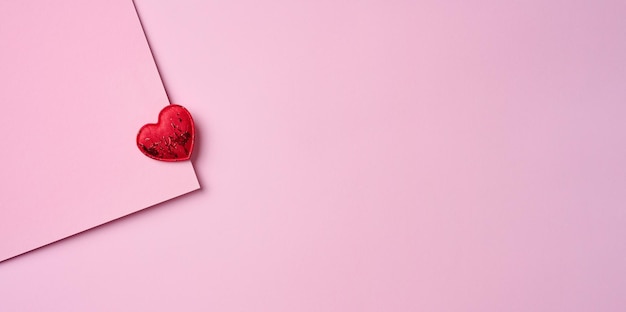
(372, 156)
(76, 87)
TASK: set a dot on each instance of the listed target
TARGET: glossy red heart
(171, 138)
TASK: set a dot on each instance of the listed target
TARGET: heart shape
(171, 138)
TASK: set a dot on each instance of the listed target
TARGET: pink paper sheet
(77, 82)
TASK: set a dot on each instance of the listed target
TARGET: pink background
(372, 156)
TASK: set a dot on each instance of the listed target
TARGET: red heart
(171, 138)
